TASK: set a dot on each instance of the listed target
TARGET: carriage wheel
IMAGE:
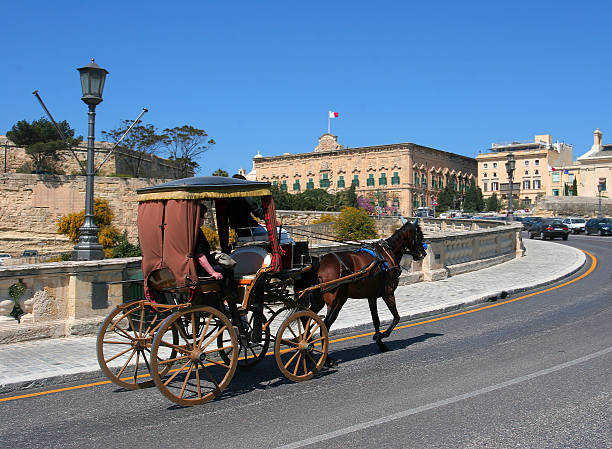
(252, 353)
(198, 373)
(301, 345)
(124, 344)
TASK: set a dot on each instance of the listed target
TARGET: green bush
(124, 248)
(355, 224)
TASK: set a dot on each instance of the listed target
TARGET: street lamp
(599, 190)
(510, 165)
(92, 84)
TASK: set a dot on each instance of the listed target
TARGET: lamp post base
(88, 250)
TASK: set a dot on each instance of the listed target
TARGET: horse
(382, 281)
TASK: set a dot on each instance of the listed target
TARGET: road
(533, 372)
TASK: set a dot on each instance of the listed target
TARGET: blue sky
(261, 75)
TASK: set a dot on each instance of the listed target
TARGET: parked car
(528, 221)
(601, 226)
(575, 224)
(549, 228)
(29, 253)
(4, 256)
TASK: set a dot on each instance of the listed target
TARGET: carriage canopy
(168, 221)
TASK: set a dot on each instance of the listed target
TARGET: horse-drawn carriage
(185, 337)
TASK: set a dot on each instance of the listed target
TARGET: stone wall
(575, 206)
(31, 205)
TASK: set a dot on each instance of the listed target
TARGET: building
(538, 169)
(595, 168)
(398, 177)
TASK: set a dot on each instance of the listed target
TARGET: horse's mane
(394, 239)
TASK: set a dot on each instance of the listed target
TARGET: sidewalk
(52, 361)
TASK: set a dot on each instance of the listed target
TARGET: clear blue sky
(261, 75)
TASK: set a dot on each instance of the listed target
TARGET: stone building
(596, 168)
(122, 162)
(536, 162)
(400, 176)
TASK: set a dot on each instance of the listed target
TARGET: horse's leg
(390, 301)
(333, 309)
(376, 322)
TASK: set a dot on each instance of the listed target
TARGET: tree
(143, 139)
(42, 143)
(355, 224)
(282, 199)
(575, 188)
(493, 203)
(473, 201)
(447, 197)
(220, 172)
(103, 215)
(347, 197)
(185, 144)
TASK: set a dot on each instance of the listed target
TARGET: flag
(565, 172)
(551, 168)
(333, 114)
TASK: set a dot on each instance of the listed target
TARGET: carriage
(184, 336)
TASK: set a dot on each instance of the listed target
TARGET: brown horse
(381, 282)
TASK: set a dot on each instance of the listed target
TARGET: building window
(494, 164)
(555, 176)
(310, 184)
(495, 174)
(485, 165)
(537, 172)
(555, 192)
(341, 181)
(415, 202)
(324, 181)
(370, 181)
(296, 185)
(382, 181)
(440, 186)
(423, 180)
(536, 162)
(484, 175)
(485, 186)
(526, 185)
(275, 183)
(416, 178)
(526, 172)
(283, 186)
(571, 177)
(526, 163)
(536, 184)
(355, 181)
(602, 183)
(395, 180)
(433, 182)
(494, 186)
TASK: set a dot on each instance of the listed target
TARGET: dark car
(29, 253)
(601, 226)
(529, 221)
(549, 228)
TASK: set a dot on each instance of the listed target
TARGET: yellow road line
(368, 334)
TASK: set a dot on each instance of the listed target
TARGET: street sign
(434, 202)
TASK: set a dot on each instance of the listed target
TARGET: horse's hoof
(376, 337)
(383, 347)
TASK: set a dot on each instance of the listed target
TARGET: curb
(471, 301)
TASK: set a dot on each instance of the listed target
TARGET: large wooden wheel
(124, 343)
(251, 353)
(301, 345)
(198, 373)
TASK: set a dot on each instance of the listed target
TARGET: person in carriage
(240, 212)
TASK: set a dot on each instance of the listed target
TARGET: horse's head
(416, 247)
(408, 238)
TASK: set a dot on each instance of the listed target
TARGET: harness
(383, 263)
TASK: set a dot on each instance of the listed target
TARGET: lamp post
(424, 186)
(599, 190)
(92, 84)
(510, 165)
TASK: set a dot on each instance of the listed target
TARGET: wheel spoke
(215, 362)
(290, 342)
(141, 320)
(177, 373)
(314, 329)
(125, 365)
(317, 340)
(204, 336)
(218, 349)
(305, 368)
(144, 356)
(187, 376)
(212, 379)
(297, 363)
(291, 330)
(291, 359)
(198, 382)
(137, 361)
(123, 332)
(193, 328)
(179, 348)
(117, 355)
(151, 324)
(214, 337)
(176, 359)
(111, 342)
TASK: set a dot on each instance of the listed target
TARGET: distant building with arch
(398, 177)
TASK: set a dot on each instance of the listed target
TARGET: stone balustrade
(68, 298)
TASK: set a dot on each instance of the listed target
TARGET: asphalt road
(535, 372)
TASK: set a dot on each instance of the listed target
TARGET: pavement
(44, 362)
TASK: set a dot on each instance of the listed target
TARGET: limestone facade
(534, 164)
(404, 175)
(121, 162)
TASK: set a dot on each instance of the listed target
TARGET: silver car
(575, 224)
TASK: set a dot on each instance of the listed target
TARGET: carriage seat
(249, 260)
